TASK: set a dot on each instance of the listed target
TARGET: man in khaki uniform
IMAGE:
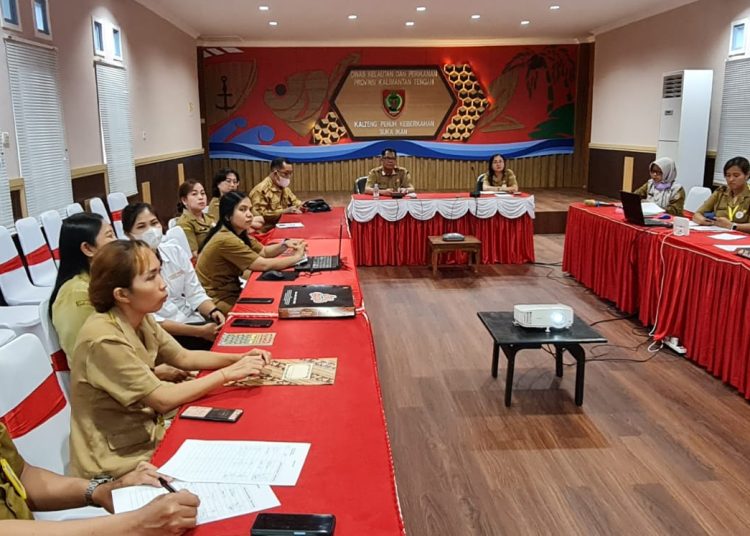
(222, 262)
(23, 487)
(388, 176)
(272, 196)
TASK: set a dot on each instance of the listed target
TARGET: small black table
(512, 339)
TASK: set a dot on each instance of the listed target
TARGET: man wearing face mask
(272, 197)
(185, 313)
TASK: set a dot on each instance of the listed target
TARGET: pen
(166, 485)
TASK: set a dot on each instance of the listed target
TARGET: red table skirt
(404, 242)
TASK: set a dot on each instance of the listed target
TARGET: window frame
(116, 34)
(37, 32)
(741, 51)
(97, 51)
(9, 25)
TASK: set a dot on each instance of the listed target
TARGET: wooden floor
(659, 447)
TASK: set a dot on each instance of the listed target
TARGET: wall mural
(324, 104)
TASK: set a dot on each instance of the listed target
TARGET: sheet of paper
(285, 372)
(731, 248)
(705, 228)
(218, 501)
(727, 236)
(290, 225)
(651, 209)
(237, 462)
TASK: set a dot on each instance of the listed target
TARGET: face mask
(152, 237)
(284, 182)
(661, 186)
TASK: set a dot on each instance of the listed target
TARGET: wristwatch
(93, 484)
(734, 227)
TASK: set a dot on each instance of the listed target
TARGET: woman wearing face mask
(117, 403)
(662, 189)
(81, 236)
(193, 221)
(230, 252)
(729, 206)
(188, 306)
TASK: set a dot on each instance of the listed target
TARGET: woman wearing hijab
(662, 189)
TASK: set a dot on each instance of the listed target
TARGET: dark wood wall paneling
(15, 204)
(87, 187)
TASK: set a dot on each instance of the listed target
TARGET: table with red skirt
(393, 232)
(684, 285)
(349, 470)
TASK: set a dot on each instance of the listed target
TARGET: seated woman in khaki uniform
(730, 204)
(117, 403)
(25, 487)
(661, 187)
(230, 252)
(498, 178)
(192, 219)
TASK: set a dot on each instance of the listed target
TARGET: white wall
(162, 70)
(629, 63)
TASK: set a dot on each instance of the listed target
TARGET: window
(738, 38)
(117, 40)
(41, 18)
(11, 19)
(37, 109)
(734, 123)
(98, 35)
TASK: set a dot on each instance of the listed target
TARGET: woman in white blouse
(188, 315)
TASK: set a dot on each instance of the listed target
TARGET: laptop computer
(322, 263)
(631, 207)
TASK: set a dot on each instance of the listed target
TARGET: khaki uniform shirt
(12, 506)
(71, 310)
(676, 197)
(221, 264)
(111, 429)
(213, 208)
(508, 179)
(195, 230)
(400, 178)
(270, 201)
(721, 201)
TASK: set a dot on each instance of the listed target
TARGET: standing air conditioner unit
(683, 125)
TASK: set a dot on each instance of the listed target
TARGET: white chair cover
(14, 283)
(96, 205)
(117, 201)
(42, 267)
(696, 197)
(52, 224)
(73, 208)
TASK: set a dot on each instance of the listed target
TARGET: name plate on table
(316, 301)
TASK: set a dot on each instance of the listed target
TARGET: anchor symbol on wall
(225, 95)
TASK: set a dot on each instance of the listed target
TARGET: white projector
(543, 316)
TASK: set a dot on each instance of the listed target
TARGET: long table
(349, 470)
(686, 286)
(393, 232)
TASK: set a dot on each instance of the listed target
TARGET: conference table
(349, 470)
(393, 232)
(684, 285)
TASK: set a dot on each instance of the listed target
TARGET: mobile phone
(255, 300)
(203, 413)
(251, 323)
(293, 525)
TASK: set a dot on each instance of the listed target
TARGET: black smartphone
(255, 300)
(293, 525)
(203, 413)
(251, 323)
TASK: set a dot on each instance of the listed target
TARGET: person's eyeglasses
(231, 181)
(285, 174)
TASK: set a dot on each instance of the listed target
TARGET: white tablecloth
(452, 208)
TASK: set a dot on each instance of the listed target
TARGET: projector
(543, 316)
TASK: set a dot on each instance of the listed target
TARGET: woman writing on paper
(117, 403)
(661, 187)
(498, 178)
(230, 252)
(729, 205)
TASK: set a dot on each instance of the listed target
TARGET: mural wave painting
(425, 149)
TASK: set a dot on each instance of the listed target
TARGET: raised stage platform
(551, 205)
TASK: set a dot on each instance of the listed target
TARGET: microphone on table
(595, 203)
(477, 190)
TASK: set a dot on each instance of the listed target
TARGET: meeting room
(282, 268)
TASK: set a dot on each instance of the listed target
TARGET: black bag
(317, 205)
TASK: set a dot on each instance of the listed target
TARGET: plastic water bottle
(376, 191)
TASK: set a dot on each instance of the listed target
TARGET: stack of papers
(231, 478)
(651, 209)
(731, 248)
(290, 225)
(727, 236)
(705, 228)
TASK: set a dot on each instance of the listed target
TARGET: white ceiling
(447, 22)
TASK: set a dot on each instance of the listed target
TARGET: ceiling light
(410, 23)
(421, 8)
(273, 23)
(352, 17)
(525, 22)
(554, 7)
(475, 17)
(263, 8)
